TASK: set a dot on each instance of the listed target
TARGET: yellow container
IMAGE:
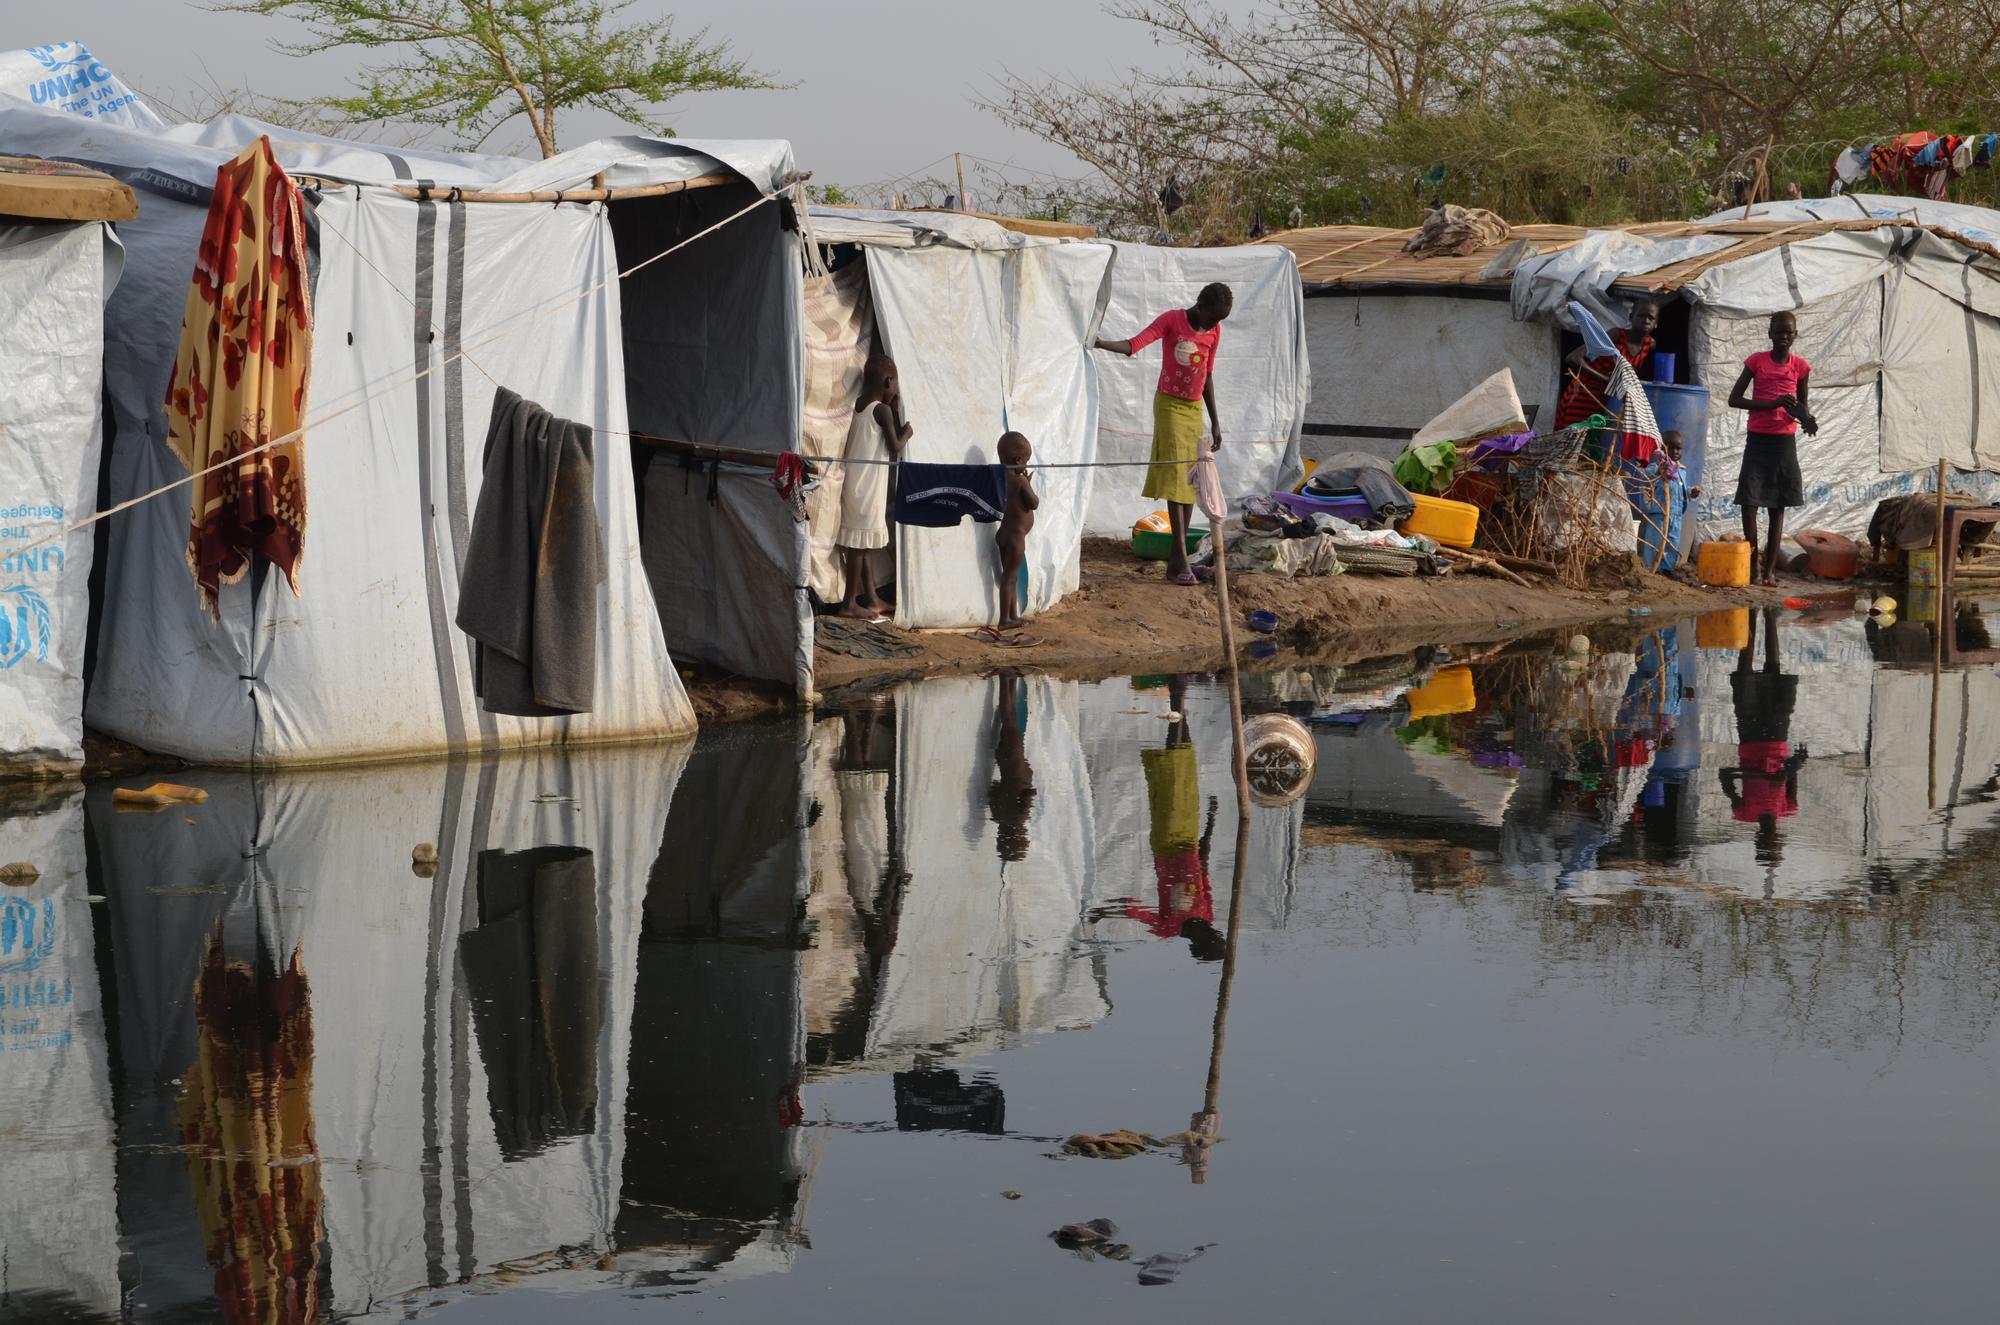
(1306, 477)
(1727, 629)
(1449, 691)
(1923, 567)
(1723, 565)
(1452, 523)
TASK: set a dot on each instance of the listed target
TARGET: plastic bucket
(1683, 409)
(1664, 365)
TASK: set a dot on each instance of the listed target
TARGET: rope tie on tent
(504, 328)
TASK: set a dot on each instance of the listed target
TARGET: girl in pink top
(1773, 388)
(1189, 339)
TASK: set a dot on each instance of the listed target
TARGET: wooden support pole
(1939, 595)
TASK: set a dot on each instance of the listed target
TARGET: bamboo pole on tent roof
(1359, 243)
(597, 193)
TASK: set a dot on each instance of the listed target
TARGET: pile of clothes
(1913, 162)
(1271, 538)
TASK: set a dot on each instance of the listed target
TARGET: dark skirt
(1770, 474)
(1764, 703)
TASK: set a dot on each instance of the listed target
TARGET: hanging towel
(240, 377)
(1640, 439)
(533, 564)
(1983, 154)
(939, 496)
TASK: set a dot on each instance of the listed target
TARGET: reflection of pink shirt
(1769, 381)
(1188, 355)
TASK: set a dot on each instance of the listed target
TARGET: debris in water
(1090, 1239)
(1011, 1194)
(156, 797)
(1124, 1143)
(1165, 1267)
(1121, 1144)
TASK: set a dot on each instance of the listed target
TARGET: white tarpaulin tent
(366, 662)
(53, 283)
(1900, 322)
(1262, 381)
(991, 332)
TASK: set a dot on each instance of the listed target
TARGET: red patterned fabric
(240, 378)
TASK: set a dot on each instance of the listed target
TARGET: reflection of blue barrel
(1683, 409)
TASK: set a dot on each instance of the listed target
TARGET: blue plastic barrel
(1683, 409)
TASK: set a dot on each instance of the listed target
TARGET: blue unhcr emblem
(27, 934)
(24, 624)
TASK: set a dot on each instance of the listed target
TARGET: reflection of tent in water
(59, 1248)
(424, 1111)
(711, 1173)
(982, 947)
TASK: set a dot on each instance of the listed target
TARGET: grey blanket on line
(532, 566)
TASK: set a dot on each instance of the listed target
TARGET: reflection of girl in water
(1764, 787)
(1186, 899)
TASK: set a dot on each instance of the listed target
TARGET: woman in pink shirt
(1190, 337)
(1773, 388)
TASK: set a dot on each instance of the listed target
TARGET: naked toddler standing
(1015, 523)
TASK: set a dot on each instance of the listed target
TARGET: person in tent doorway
(876, 435)
(1190, 338)
(1587, 381)
(1773, 388)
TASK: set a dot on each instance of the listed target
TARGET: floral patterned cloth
(240, 377)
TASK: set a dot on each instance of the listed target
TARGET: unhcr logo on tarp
(64, 76)
(24, 625)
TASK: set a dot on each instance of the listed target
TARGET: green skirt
(1177, 428)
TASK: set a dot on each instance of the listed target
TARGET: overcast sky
(881, 93)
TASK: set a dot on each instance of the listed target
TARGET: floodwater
(1653, 986)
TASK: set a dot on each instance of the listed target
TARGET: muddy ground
(1125, 618)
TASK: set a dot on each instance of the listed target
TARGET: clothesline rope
(503, 328)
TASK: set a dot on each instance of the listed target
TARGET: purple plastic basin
(1355, 507)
